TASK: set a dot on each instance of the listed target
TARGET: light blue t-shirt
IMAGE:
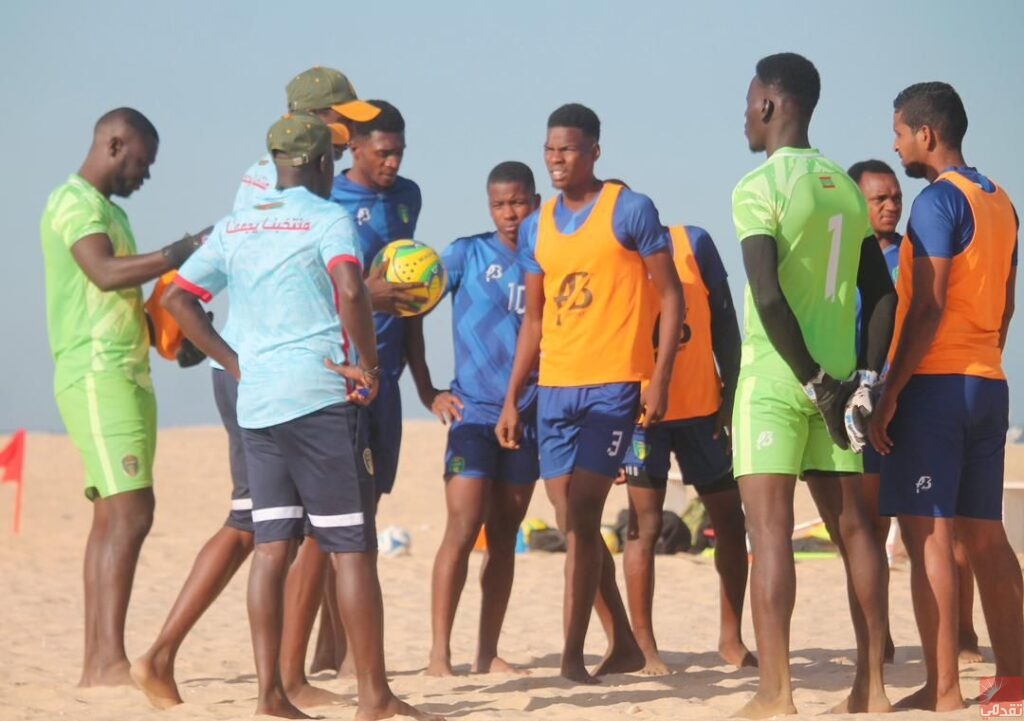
(273, 258)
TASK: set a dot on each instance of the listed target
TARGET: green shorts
(777, 429)
(111, 419)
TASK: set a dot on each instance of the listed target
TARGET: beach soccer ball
(410, 261)
(611, 538)
(393, 541)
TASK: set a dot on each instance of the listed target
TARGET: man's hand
(878, 423)
(366, 383)
(508, 430)
(387, 297)
(830, 396)
(446, 406)
(653, 404)
(180, 250)
(859, 408)
(621, 478)
(188, 355)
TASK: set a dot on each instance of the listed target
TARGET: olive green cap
(320, 88)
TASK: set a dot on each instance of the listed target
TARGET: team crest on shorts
(368, 460)
(403, 213)
(457, 464)
(130, 464)
(640, 449)
(765, 440)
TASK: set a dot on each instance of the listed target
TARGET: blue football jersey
(486, 283)
(381, 218)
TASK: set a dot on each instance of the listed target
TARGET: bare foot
(310, 696)
(735, 653)
(622, 660)
(758, 708)
(924, 699)
(156, 681)
(275, 703)
(653, 665)
(439, 667)
(497, 665)
(578, 673)
(863, 702)
(969, 651)
(115, 674)
(394, 707)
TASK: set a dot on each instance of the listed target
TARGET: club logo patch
(130, 464)
(640, 450)
(368, 460)
(765, 440)
(403, 213)
(457, 464)
(363, 216)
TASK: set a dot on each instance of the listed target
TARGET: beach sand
(41, 620)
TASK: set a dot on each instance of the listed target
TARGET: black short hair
(389, 120)
(574, 115)
(857, 170)
(794, 75)
(936, 105)
(133, 119)
(512, 171)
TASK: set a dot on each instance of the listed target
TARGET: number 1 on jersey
(835, 226)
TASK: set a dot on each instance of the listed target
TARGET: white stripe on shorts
(344, 519)
(278, 513)
(241, 504)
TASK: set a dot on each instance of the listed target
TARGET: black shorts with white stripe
(316, 467)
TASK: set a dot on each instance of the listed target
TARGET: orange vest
(596, 326)
(967, 341)
(696, 388)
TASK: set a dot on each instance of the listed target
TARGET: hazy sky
(476, 82)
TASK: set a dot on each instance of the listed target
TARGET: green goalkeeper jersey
(819, 219)
(91, 330)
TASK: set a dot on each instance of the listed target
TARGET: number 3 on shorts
(613, 449)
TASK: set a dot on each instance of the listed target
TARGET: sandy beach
(41, 620)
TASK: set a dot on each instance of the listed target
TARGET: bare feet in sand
(275, 703)
(496, 664)
(969, 651)
(759, 708)
(925, 699)
(736, 654)
(114, 674)
(440, 667)
(155, 677)
(625, 659)
(863, 702)
(310, 696)
(394, 707)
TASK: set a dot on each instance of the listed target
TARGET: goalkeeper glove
(830, 396)
(859, 407)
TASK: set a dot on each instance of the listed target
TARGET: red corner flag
(12, 460)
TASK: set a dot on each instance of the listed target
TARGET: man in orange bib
(588, 254)
(943, 445)
(696, 429)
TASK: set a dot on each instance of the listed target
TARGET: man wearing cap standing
(286, 262)
(97, 332)
(327, 94)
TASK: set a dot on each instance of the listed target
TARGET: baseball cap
(301, 137)
(319, 88)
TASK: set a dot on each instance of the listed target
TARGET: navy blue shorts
(586, 427)
(225, 394)
(706, 462)
(319, 468)
(474, 452)
(949, 447)
(386, 433)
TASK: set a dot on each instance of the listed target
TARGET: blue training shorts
(588, 427)
(949, 447)
(474, 452)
